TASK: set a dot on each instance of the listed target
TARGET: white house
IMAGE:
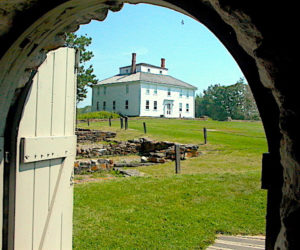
(145, 90)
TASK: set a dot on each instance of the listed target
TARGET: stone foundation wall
(92, 135)
(155, 151)
(90, 166)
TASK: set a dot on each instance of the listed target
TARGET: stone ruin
(92, 135)
(152, 151)
(90, 166)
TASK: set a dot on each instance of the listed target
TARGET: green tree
(85, 76)
(220, 102)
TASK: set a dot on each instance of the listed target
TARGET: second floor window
(155, 105)
(114, 105)
(180, 107)
(127, 89)
(104, 105)
(155, 90)
(147, 105)
(187, 94)
(104, 91)
(126, 104)
(180, 95)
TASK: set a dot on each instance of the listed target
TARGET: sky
(193, 54)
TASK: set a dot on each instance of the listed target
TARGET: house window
(98, 91)
(155, 105)
(114, 105)
(97, 106)
(149, 70)
(104, 105)
(148, 90)
(147, 105)
(155, 90)
(169, 92)
(126, 70)
(180, 95)
(187, 107)
(126, 104)
(104, 91)
(180, 107)
(127, 88)
(187, 94)
(160, 71)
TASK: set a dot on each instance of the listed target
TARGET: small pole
(109, 121)
(145, 128)
(126, 122)
(121, 122)
(205, 135)
(88, 122)
(177, 159)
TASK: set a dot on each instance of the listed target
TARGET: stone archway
(261, 43)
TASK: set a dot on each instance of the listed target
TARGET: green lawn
(218, 192)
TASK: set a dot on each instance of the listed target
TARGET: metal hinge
(77, 60)
(7, 157)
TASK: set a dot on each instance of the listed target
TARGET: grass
(217, 192)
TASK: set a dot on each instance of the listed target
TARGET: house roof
(144, 64)
(147, 77)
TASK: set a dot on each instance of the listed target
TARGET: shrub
(97, 115)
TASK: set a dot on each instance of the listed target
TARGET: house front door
(168, 109)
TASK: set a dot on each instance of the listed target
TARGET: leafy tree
(220, 102)
(85, 76)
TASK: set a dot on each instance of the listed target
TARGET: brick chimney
(163, 63)
(133, 63)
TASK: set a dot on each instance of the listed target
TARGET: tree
(85, 76)
(220, 102)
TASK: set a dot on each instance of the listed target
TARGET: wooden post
(145, 128)
(177, 159)
(121, 122)
(205, 135)
(126, 122)
(88, 122)
(109, 121)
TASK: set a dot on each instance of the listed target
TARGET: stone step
(239, 242)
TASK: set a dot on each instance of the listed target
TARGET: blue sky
(193, 54)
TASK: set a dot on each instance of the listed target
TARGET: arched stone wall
(262, 44)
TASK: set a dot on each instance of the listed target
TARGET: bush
(97, 115)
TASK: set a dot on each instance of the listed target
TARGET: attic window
(149, 70)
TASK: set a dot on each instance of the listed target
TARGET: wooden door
(46, 145)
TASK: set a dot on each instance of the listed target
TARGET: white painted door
(43, 201)
(168, 109)
(1, 184)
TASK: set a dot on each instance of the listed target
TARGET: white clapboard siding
(44, 192)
